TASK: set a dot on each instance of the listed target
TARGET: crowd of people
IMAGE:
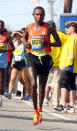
(40, 51)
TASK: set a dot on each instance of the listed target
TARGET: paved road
(16, 115)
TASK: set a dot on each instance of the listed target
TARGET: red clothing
(42, 32)
(9, 53)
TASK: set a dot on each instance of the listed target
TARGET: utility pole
(67, 6)
(51, 9)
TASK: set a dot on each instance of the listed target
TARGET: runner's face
(38, 15)
(18, 37)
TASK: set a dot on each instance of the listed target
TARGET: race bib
(2, 46)
(18, 51)
(17, 58)
(17, 55)
(35, 42)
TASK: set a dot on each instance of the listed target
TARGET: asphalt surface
(17, 115)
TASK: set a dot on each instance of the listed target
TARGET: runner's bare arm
(52, 30)
(25, 38)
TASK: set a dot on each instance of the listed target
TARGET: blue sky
(18, 13)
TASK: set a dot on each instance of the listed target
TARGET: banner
(65, 18)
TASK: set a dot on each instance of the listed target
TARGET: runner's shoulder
(28, 27)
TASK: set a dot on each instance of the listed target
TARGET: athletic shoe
(70, 109)
(35, 117)
(61, 108)
(5, 93)
(1, 103)
(65, 109)
(40, 114)
(55, 107)
(45, 101)
(9, 95)
(26, 97)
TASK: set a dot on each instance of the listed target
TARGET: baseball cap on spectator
(51, 22)
(71, 23)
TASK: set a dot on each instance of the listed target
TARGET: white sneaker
(50, 95)
(70, 109)
(5, 93)
(45, 101)
(1, 101)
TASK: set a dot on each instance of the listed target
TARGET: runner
(8, 72)
(18, 63)
(38, 58)
(5, 39)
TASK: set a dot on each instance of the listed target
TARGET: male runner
(5, 39)
(38, 58)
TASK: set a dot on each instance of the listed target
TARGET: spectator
(68, 66)
(54, 73)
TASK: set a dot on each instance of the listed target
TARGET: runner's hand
(27, 45)
(43, 41)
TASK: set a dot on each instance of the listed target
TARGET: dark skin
(8, 38)
(9, 41)
(39, 17)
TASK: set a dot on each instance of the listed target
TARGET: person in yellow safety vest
(68, 65)
(54, 73)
